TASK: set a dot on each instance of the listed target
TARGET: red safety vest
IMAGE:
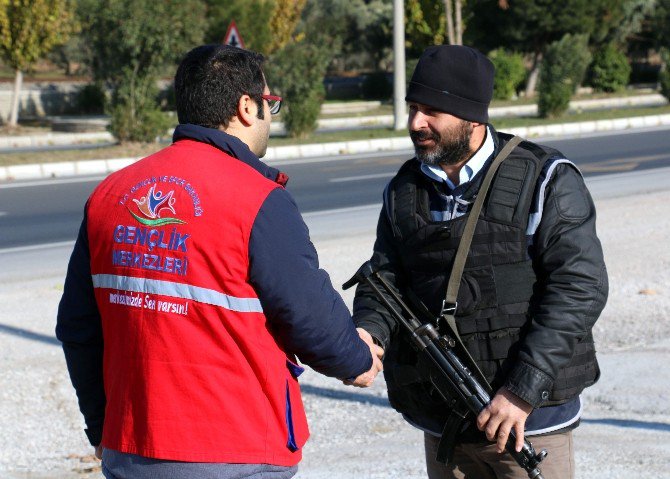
(191, 370)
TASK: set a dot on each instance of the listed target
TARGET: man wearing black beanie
(533, 285)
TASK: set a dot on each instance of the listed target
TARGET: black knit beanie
(454, 79)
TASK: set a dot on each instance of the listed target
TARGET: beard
(451, 147)
(262, 137)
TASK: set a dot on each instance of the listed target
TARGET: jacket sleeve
(572, 281)
(79, 328)
(307, 316)
(369, 313)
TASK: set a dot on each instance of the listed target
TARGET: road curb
(279, 153)
(54, 139)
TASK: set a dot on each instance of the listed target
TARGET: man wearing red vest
(193, 286)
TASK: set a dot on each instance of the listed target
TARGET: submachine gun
(454, 381)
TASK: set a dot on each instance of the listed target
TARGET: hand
(367, 378)
(374, 348)
(98, 452)
(505, 412)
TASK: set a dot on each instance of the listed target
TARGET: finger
(364, 380)
(365, 383)
(483, 418)
(492, 428)
(518, 429)
(365, 336)
(378, 365)
(377, 351)
(503, 434)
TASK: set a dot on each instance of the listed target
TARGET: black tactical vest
(495, 298)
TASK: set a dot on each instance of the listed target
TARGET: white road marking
(620, 164)
(362, 177)
(62, 181)
(351, 209)
(36, 247)
(356, 156)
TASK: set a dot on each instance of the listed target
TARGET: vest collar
(229, 144)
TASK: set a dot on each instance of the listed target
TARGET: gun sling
(455, 420)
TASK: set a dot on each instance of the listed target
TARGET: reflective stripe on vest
(177, 290)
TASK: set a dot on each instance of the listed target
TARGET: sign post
(233, 37)
(399, 111)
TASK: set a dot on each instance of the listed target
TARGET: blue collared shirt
(449, 204)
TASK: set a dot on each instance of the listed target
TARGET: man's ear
(247, 110)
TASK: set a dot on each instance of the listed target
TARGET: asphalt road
(50, 211)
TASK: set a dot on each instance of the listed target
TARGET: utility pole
(399, 111)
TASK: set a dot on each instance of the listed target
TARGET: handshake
(367, 378)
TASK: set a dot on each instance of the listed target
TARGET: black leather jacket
(571, 289)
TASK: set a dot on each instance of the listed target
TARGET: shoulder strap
(449, 305)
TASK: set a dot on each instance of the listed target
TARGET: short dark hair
(210, 81)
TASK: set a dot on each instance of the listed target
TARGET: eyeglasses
(274, 102)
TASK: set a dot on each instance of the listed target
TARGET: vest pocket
(477, 291)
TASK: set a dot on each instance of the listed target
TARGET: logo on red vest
(153, 205)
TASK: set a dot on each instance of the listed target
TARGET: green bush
(563, 68)
(132, 43)
(665, 83)
(377, 86)
(135, 114)
(610, 70)
(510, 73)
(91, 100)
(664, 77)
(145, 125)
(296, 72)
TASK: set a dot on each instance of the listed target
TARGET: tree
(69, 56)
(664, 77)
(253, 19)
(429, 23)
(285, 18)
(635, 14)
(425, 25)
(29, 29)
(297, 71)
(509, 73)
(662, 22)
(358, 33)
(562, 72)
(529, 26)
(454, 17)
(374, 22)
(610, 70)
(134, 42)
